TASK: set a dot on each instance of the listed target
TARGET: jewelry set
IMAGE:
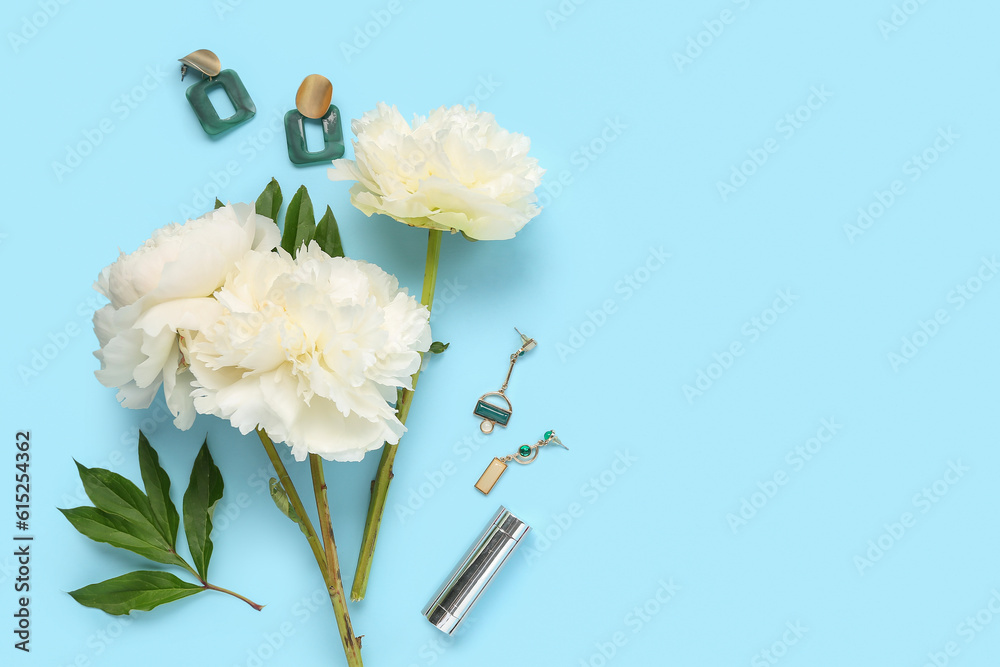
(312, 101)
(493, 414)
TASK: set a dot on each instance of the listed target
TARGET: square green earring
(208, 64)
(313, 101)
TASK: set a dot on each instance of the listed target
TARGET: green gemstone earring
(208, 64)
(491, 413)
(525, 455)
(313, 102)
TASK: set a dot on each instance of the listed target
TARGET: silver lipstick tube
(475, 571)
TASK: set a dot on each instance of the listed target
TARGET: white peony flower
(455, 170)
(160, 294)
(310, 350)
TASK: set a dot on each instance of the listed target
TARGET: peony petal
(323, 430)
(104, 327)
(119, 358)
(138, 398)
(193, 314)
(157, 350)
(177, 390)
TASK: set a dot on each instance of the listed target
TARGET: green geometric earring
(313, 101)
(208, 64)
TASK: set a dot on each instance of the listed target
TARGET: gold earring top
(202, 60)
(526, 343)
(313, 98)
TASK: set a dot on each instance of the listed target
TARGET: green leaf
(300, 222)
(438, 347)
(269, 201)
(328, 235)
(280, 498)
(157, 484)
(115, 494)
(112, 529)
(136, 591)
(203, 493)
(218, 204)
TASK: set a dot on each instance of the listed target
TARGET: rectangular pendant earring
(493, 414)
(491, 475)
(208, 64)
(313, 101)
(525, 455)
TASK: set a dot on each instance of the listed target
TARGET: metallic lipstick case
(474, 573)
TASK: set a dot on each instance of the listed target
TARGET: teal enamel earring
(312, 101)
(208, 64)
(495, 413)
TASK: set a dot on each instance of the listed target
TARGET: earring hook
(557, 441)
(526, 343)
(204, 61)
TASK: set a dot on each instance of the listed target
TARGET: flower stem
(293, 497)
(352, 644)
(380, 485)
(351, 649)
(212, 587)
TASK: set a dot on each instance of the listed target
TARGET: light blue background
(609, 390)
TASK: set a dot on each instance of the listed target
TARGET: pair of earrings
(312, 101)
(525, 455)
(493, 414)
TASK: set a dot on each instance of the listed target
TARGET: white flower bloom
(160, 294)
(455, 170)
(310, 350)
